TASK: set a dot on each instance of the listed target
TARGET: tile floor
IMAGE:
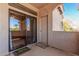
(37, 51)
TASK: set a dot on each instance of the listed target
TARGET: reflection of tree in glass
(16, 27)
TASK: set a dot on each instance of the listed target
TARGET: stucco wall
(63, 40)
(57, 19)
(3, 29)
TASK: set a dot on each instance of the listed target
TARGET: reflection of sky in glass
(71, 13)
(27, 21)
(13, 22)
(28, 24)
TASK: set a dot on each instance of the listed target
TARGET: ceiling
(39, 5)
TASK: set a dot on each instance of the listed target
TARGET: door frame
(46, 26)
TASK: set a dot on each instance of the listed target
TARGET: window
(14, 24)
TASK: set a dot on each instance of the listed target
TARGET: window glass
(14, 24)
(28, 24)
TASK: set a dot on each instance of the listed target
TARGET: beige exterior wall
(3, 29)
(57, 19)
(42, 12)
(63, 40)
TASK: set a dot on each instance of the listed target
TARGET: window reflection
(28, 24)
(14, 24)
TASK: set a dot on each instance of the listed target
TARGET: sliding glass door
(23, 30)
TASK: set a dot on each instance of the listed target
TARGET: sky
(14, 21)
(71, 13)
